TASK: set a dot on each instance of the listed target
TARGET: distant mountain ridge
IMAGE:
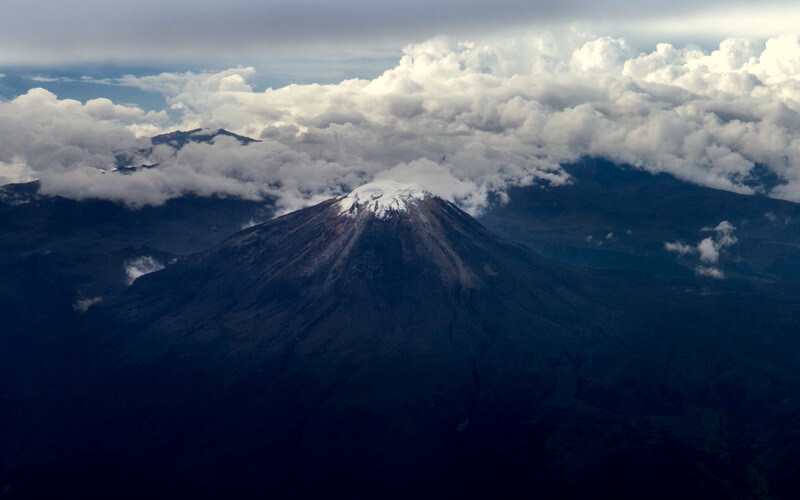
(180, 138)
(619, 217)
(126, 161)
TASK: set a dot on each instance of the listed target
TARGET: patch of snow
(382, 198)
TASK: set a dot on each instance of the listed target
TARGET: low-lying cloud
(138, 267)
(679, 248)
(709, 248)
(709, 272)
(462, 119)
(83, 305)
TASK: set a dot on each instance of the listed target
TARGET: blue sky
(71, 82)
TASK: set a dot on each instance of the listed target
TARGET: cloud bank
(41, 31)
(462, 119)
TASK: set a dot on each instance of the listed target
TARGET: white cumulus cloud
(463, 119)
(709, 248)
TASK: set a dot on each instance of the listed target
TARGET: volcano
(386, 343)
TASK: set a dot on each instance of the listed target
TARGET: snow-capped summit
(381, 198)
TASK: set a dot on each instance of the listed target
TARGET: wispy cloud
(83, 305)
(50, 79)
(140, 266)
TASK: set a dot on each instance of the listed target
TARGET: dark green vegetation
(641, 211)
(319, 354)
(55, 251)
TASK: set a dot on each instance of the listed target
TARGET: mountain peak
(383, 198)
(181, 138)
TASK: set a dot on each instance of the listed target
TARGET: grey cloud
(86, 29)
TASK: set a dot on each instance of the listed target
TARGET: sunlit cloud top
(464, 119)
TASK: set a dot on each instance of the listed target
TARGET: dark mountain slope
(353, 350)
(55, 252)
(32, 223)
(618, 217)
